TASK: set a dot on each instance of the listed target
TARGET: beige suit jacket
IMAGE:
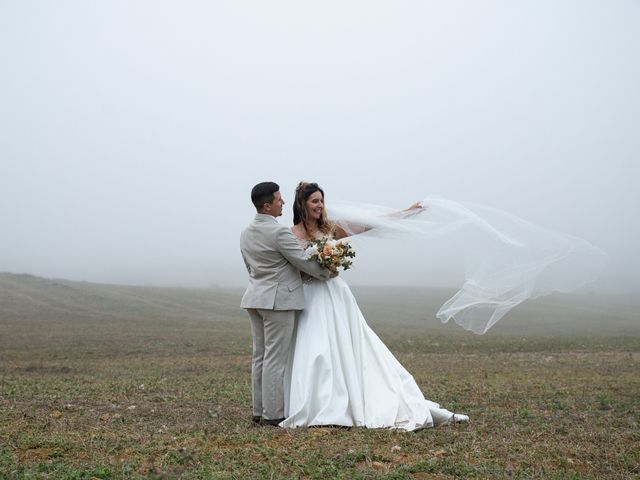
(274, 258)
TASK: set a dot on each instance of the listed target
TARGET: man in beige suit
(274, 259)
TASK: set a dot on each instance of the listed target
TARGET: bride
(340, 372)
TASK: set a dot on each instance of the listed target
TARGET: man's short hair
(263, 193)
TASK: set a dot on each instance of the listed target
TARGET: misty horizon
(131, 134)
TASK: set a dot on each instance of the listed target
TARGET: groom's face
(274, 208)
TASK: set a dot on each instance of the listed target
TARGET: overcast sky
(131, 132)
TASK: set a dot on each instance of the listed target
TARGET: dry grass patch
(145, 390)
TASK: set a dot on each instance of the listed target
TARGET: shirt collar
(263, 217)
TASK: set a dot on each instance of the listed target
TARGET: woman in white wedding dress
(340, 372)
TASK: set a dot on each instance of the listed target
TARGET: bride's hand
(334, 271)
(416, 206)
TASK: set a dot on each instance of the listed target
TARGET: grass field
(100, 381)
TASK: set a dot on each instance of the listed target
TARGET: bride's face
(315, 205)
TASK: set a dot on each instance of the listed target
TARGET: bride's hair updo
(300, 215)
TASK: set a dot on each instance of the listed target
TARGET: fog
(131, 133)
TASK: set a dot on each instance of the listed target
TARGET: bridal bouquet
(330, 253)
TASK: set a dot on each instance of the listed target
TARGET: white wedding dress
(340, 372)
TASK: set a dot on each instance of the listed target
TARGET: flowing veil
(507, 260)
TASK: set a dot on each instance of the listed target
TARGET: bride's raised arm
(414, 209)
(346, 228)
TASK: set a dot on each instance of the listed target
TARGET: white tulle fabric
(507, 260)
(340, 372)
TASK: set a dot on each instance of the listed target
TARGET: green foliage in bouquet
(331, 254)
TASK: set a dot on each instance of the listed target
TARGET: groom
(274, 259)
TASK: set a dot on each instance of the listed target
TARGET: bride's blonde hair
(300, 215)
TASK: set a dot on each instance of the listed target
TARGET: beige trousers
(272, 341)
